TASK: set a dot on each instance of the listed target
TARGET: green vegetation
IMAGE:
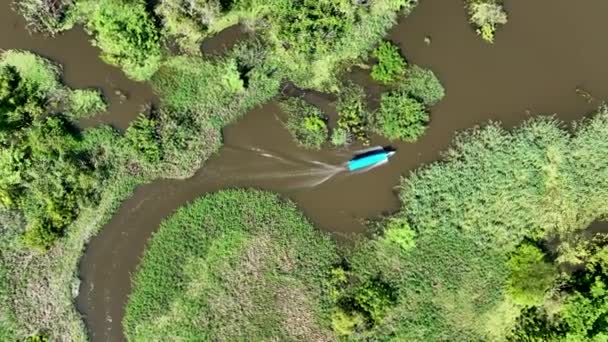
(486, 15)
(125, 33)
(423, 85)
(38, 80)
(582, 315)
(463, 260)
(306, 123)
(309, 40)
(455, 263)
(256, 271)
(531, 275)
(353, 115)
(391, 65)
(50, 16)
(401, 117)
(46, 174)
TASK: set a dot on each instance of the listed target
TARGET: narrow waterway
(547, 50)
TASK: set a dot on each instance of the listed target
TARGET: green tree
(391, 65)
(531, 276)
(401, 116)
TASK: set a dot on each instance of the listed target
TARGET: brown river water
(547, 50)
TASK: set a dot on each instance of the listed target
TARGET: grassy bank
(251, 267)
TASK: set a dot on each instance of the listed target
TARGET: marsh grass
(252, 268)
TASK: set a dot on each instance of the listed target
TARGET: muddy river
(547, 50)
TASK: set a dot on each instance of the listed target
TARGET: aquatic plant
(47, 16)
(306, 123)
(423, 85)
(339, 137)
(486, 15)
(401, 116)
(391, 65)
(83, 103)
(143, 137)
(353, 116)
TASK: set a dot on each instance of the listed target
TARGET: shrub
(398, 232)
(306, 123)
(339, 137)
(183, 83)
(189, 22)
(312, 27)
(83, 103)
(401, 117)
(48, 16)
(486, 15)
(126, 35)
(47, 175)
(353, 116)
(39, 72)
(39, 78)
(143, 137)
(531, 276)
(391, 65)
(423, 85)
(344, 323)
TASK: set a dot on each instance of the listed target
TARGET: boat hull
(368, 161)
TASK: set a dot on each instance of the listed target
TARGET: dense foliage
(583, 311)
(401, 116)
(252, 267)
(423, 85)
(306, 123)
(391, 65)
(125, 33)
(531, 276)
(353, 115)
(313, 27)
(308, 40)
(46, 174)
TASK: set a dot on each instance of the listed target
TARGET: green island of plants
(252, 268)
(455, 262)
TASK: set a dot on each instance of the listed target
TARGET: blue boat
(376, 156)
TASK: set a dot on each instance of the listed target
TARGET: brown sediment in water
(548, 49)
(82, 68)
